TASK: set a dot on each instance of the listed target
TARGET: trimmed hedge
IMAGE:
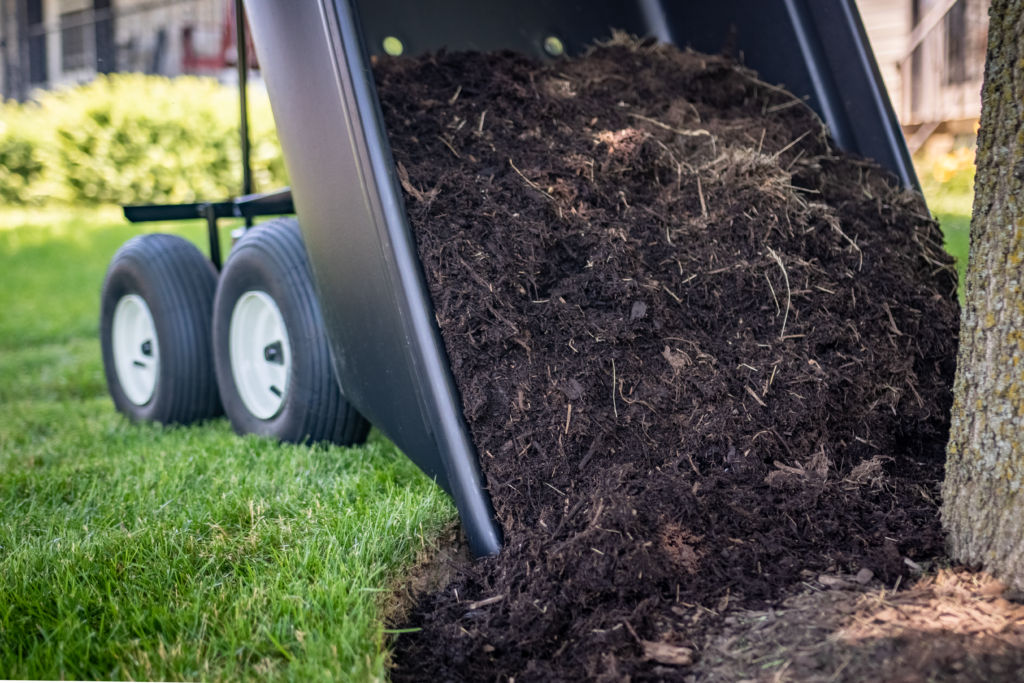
(131, 138)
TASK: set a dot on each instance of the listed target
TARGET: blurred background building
(55, 43)
(932, 57)
(931, 52)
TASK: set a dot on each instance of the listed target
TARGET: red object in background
(192, 62)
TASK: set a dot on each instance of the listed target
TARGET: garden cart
(319, 326)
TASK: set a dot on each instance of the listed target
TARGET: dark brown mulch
(699, 350)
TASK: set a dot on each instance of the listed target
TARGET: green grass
(951, 204)
(52, 372)
(134, 551)
(956, 227)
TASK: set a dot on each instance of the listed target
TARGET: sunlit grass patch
(948, 183)
(146, 552)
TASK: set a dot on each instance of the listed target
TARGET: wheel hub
(136, 350)
(260, 354)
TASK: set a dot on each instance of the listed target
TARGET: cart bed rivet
(393, 46)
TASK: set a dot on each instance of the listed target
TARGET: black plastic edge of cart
(388, 352)
(437, 393)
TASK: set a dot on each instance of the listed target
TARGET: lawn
(953, 211)
(140, 552)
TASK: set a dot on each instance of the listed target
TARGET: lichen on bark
(983, 508)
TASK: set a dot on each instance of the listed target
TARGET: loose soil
(704, 355)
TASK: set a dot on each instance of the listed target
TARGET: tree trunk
(983, 509)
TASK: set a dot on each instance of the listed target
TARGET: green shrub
(131, 139)
(20, 166)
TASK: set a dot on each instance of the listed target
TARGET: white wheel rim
(260, 355)
(136, 349)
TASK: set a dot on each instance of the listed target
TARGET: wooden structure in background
(932, 57)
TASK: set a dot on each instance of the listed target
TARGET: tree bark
(983, 508)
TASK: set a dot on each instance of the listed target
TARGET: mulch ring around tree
(948, 626)
(703, 354)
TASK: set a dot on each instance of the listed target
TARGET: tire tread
(325, 416)
(181, 283)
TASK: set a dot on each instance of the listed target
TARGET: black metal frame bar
(248, 207)
(242, 60)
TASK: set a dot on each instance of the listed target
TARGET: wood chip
(663, 653)
(892, 321)
(755, 397)
(834, 582)
(993, 588)
(418, 195)
(487, 601)
(887, 614)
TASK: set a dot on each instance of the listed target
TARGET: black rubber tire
(271, 258)
(177, 283)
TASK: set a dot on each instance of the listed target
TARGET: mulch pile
(703, 354)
